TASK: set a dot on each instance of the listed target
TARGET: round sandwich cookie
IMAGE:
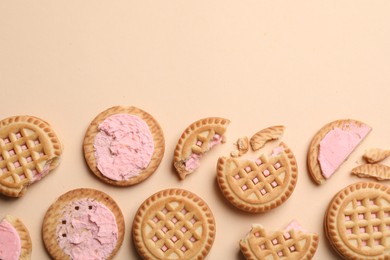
(123, 145)
(195, 141)
(83, 224)
(357, 221)
(294, 242)
(260, 184)
(15, 241)
(332, 145)
(173, 224)
(29, 150)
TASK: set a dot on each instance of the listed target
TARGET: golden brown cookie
(25, 249)
(173, 224)
(196, 140)
(378, 171)
(375, 155)
(83, 223)
(123, 145)
(261, 184)
(289, 244)
(321, 169)
(242, 145)
(259, 139)
(29, 150)
(357, 222)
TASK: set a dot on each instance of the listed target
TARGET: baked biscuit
(173, 224)
(332, 145)
(83, 224)
(15, 241)
(375, 155)
(29, 150)
(261, 184)
(259, 139)
(378, 171)
(357, 222)
(292, 243)
(196, 140)
(123, 145)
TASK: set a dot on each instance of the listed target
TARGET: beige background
(259, 63)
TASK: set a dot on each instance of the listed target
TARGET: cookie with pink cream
(15, 241)
(195, 141)
(123, 145)
(332, 145)
(83, 224)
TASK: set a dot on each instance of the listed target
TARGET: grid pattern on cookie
(286, 245)
(203, 141)
(367, 222)
(259, 177)
(22, 157)
(174, 230)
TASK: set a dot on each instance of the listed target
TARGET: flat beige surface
(258, 63)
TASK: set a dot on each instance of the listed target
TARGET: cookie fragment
(173, 224)
(375, 155)
(259, 139)
(242, 145)
(378, 171)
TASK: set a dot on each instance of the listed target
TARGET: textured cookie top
(29, 150)
(358, 221)
(261, 184)
(63, 226)
(174, 224)
(146, 168)
(291, 244)
(196, 140)
(313, 156)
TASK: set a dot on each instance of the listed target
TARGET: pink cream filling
(124, 146)
(337, 145)
(88, 230)
(10, 245)
(193, 162)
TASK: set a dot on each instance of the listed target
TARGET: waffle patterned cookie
(133, 149)
(29, 150)
(197, 140)
(288, 244)
(375, 155)
(83, 224)
(24, 236)
(315, 168)
(357, 222)
(378, 171)
(259, 139)
(261, 184)
(173, 224)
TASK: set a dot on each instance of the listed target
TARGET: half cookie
(357, 222)
(173, 224)
(197, 140)
(123, 145)
(29, 150)
(332, 145)
(83, 224)
(260, 184)
(292, 243)
(15, 241)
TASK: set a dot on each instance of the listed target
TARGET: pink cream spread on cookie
(10, 245)
(87, 231)
(337, 145)
(294, 225)
(124, 146)
(193, 162)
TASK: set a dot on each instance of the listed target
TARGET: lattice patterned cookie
(174, 224)
(357, 222)
(287, 244)
(196, 140)
(29, 150)
(261, 184)
(83, 224)
(332, 145)
(15, 233)
(124, 146)
(259, 139)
